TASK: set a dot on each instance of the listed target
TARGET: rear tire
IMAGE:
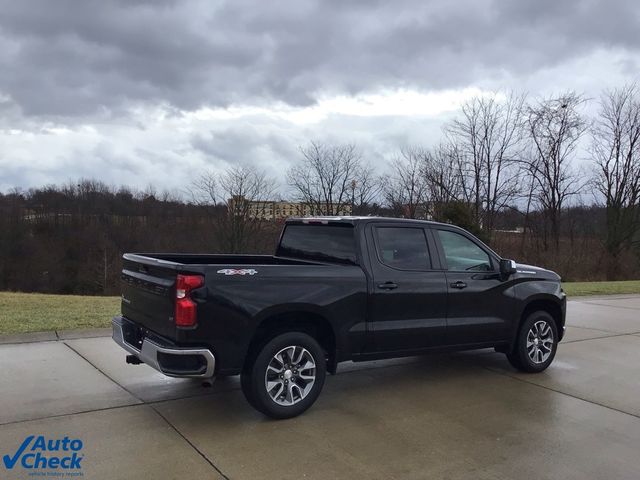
(536, 343)
(286, 376)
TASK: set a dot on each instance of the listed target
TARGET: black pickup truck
(350, 288)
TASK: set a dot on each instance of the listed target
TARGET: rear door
(408, 299)
(480, 304)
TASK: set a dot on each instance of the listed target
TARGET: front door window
(462, 254)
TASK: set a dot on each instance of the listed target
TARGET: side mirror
(507, 267)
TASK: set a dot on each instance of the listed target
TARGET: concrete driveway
(467, 415)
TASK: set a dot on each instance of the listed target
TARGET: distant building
(279, 210)
(519, 230)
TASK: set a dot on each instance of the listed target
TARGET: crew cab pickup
(337, 289)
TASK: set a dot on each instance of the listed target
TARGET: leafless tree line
(504, 161)
(616, 153)
(499, 153)
(502, 151)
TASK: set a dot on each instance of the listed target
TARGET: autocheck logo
(39, 453)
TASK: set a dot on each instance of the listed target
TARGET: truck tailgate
(148, 296)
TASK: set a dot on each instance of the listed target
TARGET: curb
(54, 335)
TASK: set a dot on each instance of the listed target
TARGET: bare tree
(365, 190)
(554, 126)
(616, 151)
(406, 189)
(245, 192)
(529, 186)
(488, 142)
(441, 174)
(330, 177)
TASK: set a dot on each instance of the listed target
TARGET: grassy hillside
(33, 312)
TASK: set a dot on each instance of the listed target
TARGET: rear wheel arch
(286, 376)
(310, 323)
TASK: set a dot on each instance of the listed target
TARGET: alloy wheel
(540, 342)
(290, 375)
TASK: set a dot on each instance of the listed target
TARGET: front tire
(286, 376)
(536, 343)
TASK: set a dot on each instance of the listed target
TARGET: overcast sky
(137, 93)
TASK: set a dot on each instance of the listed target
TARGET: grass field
(574, 289)
(33, 312)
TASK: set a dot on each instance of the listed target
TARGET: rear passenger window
(403, 248)
(319, 243)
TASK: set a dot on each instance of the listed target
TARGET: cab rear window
(319, 243)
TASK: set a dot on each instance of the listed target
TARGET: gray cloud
(69, 58)
(107, 70)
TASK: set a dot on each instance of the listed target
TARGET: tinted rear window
(321, 243)
(403, 248)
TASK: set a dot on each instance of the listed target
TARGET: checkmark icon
(10, 462)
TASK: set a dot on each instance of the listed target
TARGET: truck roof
(356, 220)
(353, 220)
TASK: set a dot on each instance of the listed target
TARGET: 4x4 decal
(237, 271)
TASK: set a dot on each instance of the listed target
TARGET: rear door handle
(459, 284)
(388, 286)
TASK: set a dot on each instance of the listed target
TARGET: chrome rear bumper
(161, 357)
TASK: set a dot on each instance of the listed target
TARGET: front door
(408, 300)
(480, 303)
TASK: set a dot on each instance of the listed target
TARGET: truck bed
(238, 290)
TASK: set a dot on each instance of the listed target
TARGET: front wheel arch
(550, 306)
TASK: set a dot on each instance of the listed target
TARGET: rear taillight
(185, 306)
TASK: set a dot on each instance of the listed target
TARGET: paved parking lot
(467, 415)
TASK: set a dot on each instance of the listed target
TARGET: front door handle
(459, 285)
(388, 286)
